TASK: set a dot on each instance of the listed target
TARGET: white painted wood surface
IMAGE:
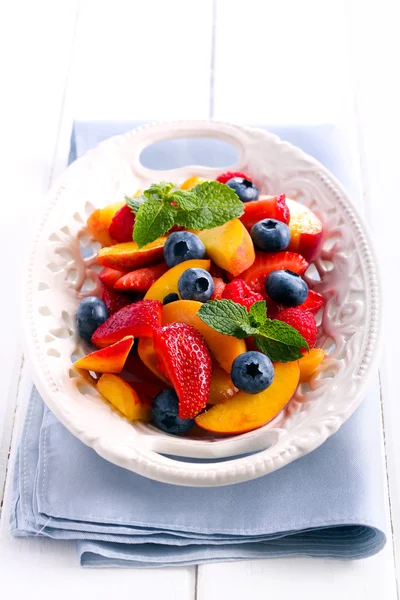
(245, 60)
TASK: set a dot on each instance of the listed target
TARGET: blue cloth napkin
(329, 503)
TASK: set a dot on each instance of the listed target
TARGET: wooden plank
(295, 72)
(109, 72)
(378, 101)
(280, 62)
(48, 564)
(31, 118)
(143, 60)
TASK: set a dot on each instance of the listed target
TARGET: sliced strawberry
(141, 280)
(114, 301)
(266, 262)
(239, 292)
(267, 207)
(121, 228)
(138, 319)
(219, 286)
(109, 277)
(185, 356)
(224, 177)
(137, 368)
(313, 302)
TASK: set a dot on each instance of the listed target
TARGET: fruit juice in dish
(202, 319)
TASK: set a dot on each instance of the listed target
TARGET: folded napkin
(329, 503)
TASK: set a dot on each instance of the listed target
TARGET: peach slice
(107, 360)
(192, 182)
(128, 256)
(149, 358)
(245, 412)
(222, 386)
(306, 230)
(168, 283)
(100, 220)
(229, 246)
(224, 348)
(309, 363)
(123, 397)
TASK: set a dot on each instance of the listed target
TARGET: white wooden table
(309, 62)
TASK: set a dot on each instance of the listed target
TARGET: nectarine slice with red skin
(310, 362)
(245, 412)
(223, 348)
(128, 256)
(123, 397)
(100, 220)
(229, 246)
(107, 360)
(306, 230)
(168, 283)
(149, 358)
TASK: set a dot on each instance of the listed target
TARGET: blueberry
(286, 288)
(245, 189)
(196, 284)
(181, 246)
(170, 298)
(270, 235)
(252, 372)
(92, 313)
(164, 412)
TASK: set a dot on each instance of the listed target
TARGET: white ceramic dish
(57, 271)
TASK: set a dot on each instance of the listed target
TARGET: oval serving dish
(62, 265)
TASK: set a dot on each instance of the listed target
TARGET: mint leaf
(187, 200)
(280, 341)
(227, 317)
(258, 313)
(154, 218)
(208, 205)
(135, 202)
(159, 191)
(222, 203)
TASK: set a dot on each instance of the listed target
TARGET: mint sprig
(279, 341)
(134, 202)
(208, 205)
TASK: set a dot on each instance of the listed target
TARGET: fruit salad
(205, 321)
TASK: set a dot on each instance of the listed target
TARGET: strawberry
(219, 286)
(302, 320)
(267, 207)
(114, 301)
(121, 227)
(313, 302)
(185, 357)
(138, 319)
(142, 279)
(239, 292)
(224, 177)
(266, 262)
(109, 277)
